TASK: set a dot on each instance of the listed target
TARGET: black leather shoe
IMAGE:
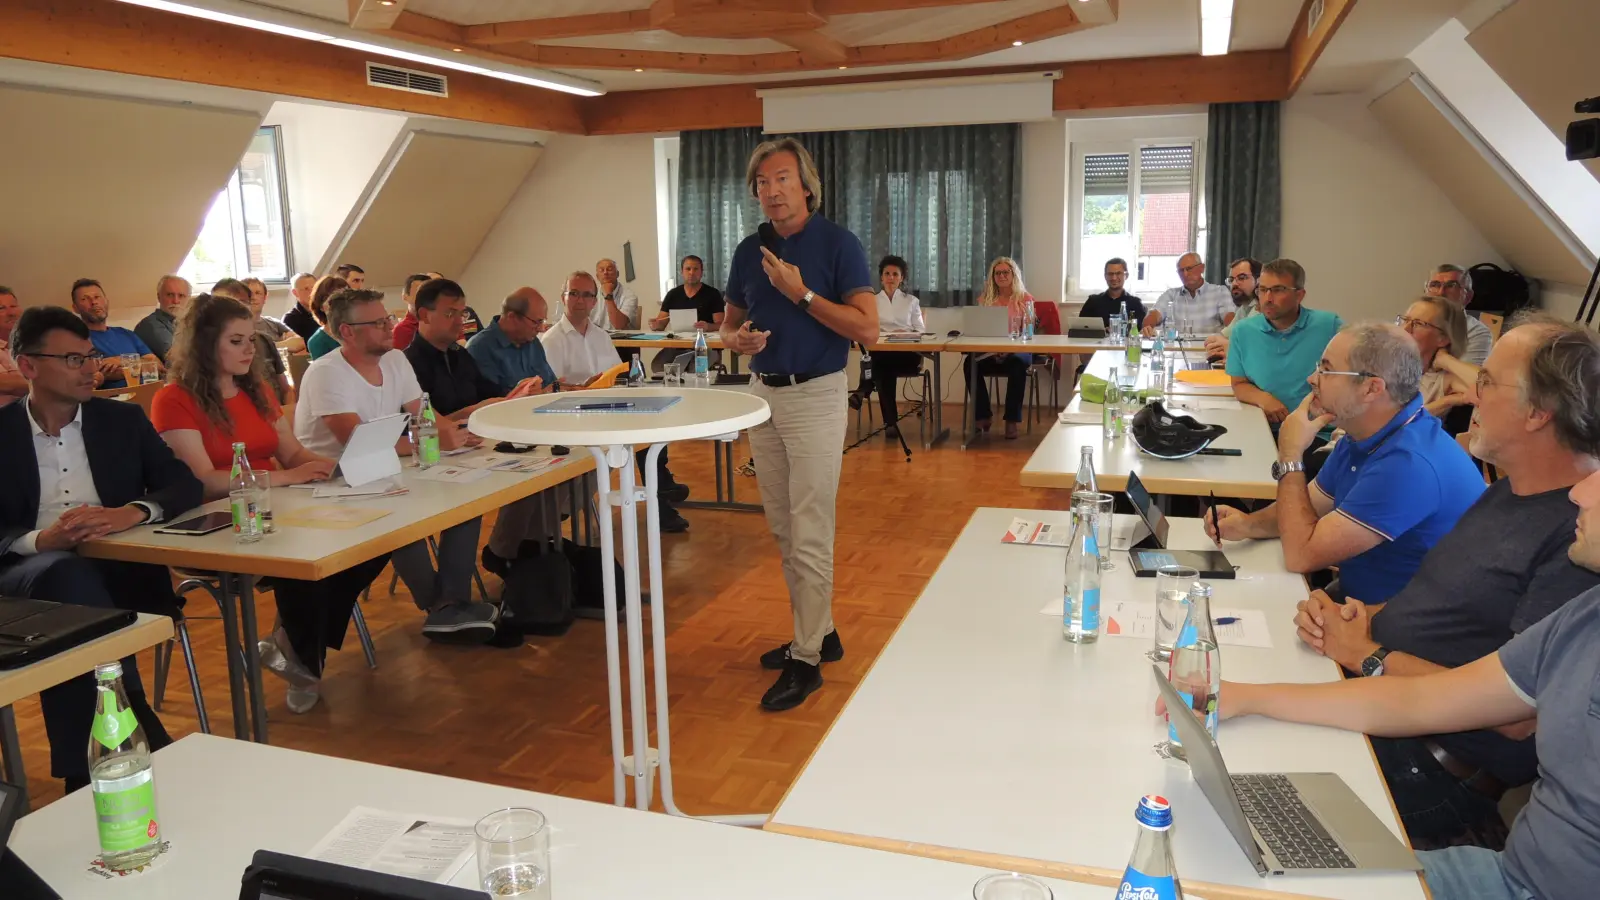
(832, 651)
(675, 492)
(672, 521)
(796, 683)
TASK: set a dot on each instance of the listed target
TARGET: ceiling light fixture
(1016, 43)
(275, 21)
(638, 70)
(844, 67)
(385, 2)
(1216, 26)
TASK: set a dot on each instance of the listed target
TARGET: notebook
(609, 403)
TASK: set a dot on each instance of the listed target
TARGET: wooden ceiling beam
(832, 8)
(814, 46)
(1306, 45)
(558, 27)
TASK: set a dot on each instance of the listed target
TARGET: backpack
(1497, 290)
(588, 580)
(537, 598)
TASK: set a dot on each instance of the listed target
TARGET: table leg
(11, 750)
(725, 472)
(249, 635)
(638, 699)
(608, 579)
(936, 415)
(969, 424)
(230, 641)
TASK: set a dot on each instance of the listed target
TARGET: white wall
(1365, 222)
(584, 200)
(1044, 199)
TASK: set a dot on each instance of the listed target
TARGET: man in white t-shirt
(367, 379)
(578, 351)
(617, 306)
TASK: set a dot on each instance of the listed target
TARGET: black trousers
(887, 369)
(68, 708)
(663, 475)
(1437, 809)
(316, 614)
(1012, 365)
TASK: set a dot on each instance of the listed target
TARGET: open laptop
(1086, 327)
(986, 321)
(1287, 822)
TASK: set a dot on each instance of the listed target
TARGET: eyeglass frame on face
(1405, 322)
(390, 320)
(1232, 278)
(67, 358)
(1277, 290)
(537, 323)
(1193, 266)
(1319, 373)
(1442, 286)
(582, 295)
(1484, 381)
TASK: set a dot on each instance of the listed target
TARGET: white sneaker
(302, 699)
(278, 657)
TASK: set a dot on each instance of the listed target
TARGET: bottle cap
(109, 671)
(1154, 812)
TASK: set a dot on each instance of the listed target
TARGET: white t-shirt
(902, 313)
(575, 357)
(627, 304)
(331, 386)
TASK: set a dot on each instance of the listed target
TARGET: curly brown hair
(192, 361)
(326, 287)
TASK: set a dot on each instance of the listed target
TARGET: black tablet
(278, 876)
(201, 524)
(1209, 563)
(19, 881)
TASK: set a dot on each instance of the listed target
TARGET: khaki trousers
(535, 518)
(798, 454)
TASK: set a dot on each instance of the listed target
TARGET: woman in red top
(216, 399)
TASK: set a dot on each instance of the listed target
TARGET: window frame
(233, 190)
(1080, 150)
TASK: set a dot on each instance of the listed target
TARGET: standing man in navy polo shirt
(1388, 492)
(794, 306)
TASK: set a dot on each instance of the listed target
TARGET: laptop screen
(1205, 763)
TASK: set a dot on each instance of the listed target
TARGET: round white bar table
(611, 437)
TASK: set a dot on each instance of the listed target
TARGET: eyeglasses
(1443, 285)
(1484, 381)
(1321, 372)
(1237, 278)
(581, 295)
(537, 323)
(1190, 267)
(1277, 290)
(1410, 324)
(385, 322)
(72, 360)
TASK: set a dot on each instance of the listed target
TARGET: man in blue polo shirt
(796, 298)
(1272, 355)
(1388, 492)
(90, 303)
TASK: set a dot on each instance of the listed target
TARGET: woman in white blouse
(898, 313)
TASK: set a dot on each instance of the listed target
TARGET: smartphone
(508, 447)
(201, 524)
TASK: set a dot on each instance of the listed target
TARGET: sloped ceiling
(430, 208)
(107, 188)
(1476, 186)
(1545, 51)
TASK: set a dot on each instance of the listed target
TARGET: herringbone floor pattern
(536, 718)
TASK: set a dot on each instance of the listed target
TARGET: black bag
(588, 580)
(31, 630)
(1497, 290)
(537, 598)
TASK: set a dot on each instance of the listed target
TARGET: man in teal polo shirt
(1271, 355)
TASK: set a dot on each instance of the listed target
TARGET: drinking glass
(1172, 596)
(148, 372)
(672, 373)
(130, 368)
(1103, 505)
(1116, 330)
(1015, 323)
(514, 853)
(1011, 886)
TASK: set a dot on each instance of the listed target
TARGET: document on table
(338, 489)
(1023, 531)
(1137, 619)
(421, 847)
(511, 462)
(457, 474)
(1080, 417)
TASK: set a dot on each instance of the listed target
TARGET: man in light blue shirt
(1272, 354)
(1198, 308)
(509, 351)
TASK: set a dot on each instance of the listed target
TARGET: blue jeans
(1469, 873)
(1437, 809)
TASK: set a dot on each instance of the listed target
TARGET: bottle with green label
(427, 436)
(1133, 345)
(120, 777)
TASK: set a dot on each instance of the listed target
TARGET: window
(1140, 201)
(246, 231)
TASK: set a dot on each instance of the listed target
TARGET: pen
(1216, 525)
(1227, 620)
(621, 404)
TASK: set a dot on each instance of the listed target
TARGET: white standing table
(221, 800)
(611, 436)
(981, 735)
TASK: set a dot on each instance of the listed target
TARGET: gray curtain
(947, 199)
(1243, 189)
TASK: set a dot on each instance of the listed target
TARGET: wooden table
(146, 632)
(311, 554)
(673, 341)
(981, 736)
(216, 813)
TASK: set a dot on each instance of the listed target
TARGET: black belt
(1474, 778)
(788, 380)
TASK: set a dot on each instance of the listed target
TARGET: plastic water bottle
(1151, 873)
(1134, 347)
(635, 371)
(702, 358)
(1111, 409)
(1196, 667)
(244, 498)
(120, 776)
(1080, 609)
(425, 435)
(1027, 321)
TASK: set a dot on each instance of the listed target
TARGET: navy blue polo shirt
(1409, 483)
(832, 264)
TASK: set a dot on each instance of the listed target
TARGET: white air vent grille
(1313, 16)
(398, 79)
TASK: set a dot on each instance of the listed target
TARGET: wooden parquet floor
(536, 717)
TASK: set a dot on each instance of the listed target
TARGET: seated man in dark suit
(81, 468)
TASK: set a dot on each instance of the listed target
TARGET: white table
(979, 729)
(220, 801)
(611, 436)
(314, 553)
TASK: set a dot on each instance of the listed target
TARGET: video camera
(1583, 136)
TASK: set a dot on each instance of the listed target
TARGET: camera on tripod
(1583, 136)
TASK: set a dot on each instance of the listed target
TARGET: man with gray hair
(508, 351)
(157, 329)
(1389, 490)
(1454, 283)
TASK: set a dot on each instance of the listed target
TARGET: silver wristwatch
(1280, 468)
(805, 301)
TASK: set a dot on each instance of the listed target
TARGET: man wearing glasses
(1198, 307)
(1387, 493)
(368, 379)
(508, 351)
(1454, 283)
(1272, 355)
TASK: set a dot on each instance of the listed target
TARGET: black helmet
(1160, 433)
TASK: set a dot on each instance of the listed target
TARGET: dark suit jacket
(127, 458)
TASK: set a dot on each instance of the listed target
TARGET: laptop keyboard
(1286, 824)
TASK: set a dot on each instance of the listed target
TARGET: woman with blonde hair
(215, 398)
(1002, 287)
(1437, 326)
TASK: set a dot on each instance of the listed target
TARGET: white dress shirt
(575, 357)
(627, 304)
(1200, 313)
(65, 480)
(902, 312)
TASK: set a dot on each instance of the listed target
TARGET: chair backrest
(1047, 316)
(298, 363)
(1494, 322)
(142, 394)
